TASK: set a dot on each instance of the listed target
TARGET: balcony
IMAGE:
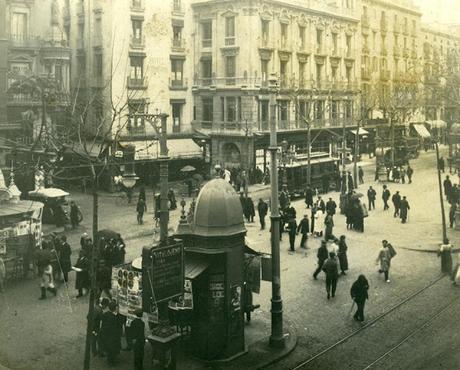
(366, 74)
(137, 42)
(230, 41)
(137, 83)
(137, 6)
(265, 42)
(178, 84)
(178, 45)
(206, 43)
(384, 75)
(28, 99)
(135, 130)
(25, 41)
(229, 81)
(396, 51)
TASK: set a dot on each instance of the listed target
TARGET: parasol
(188, 168)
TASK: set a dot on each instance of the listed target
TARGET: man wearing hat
(303, 228)
(137, 334)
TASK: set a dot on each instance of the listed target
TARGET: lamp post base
(278, 337)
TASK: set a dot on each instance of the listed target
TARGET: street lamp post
(277, 337)
(443, 215)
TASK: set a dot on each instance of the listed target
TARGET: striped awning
(422, 131)
(177, 148)
(438, 123)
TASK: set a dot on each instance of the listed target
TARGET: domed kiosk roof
(218, 210)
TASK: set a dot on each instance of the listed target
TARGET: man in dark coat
(404, 209)
(361, 175)
(455, 194)
(321, 205)
(322, 256)
(284, 198)
(99, 309)
(453, 209)
(342, 254)
(82, 281)
(251, 210)
(64, 258)
(262, 209)
(396, 199)
(111, 330)
(447, 187)
(292, 229)
(137, 333)
(385, 197)
(309, 197)
(331, 206)
(371, 195)
(329, 225)
(141, 207)
(331, 268)
(351, 184)
(409, 173)
(74, 213)
(441, 164)
(303, 228)
(359, 294)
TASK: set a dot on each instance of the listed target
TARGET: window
(284, 34)
(230, 115)
(81, 65)
(176, 116)
(264, 71)
(177, 36)
(302, 37)
(348, 42)
(334, 43)
(206, 71)
(283, 113)
(265, 31)
(230, 69)
(319, 68)
(136, 4)
(177, 5)
(264, 114)
(19, 26)
(304, 111)
(137, 30)
(334, 109)
(334, 73)
(319, 41)
(58, 74)
(348, 74)
(348, 109)
(98, 65)
(319, 109)
(136, 107)
(230, 31)
(301, 74)
(208, 110)
(137, 67)
(283, 73)
(206, 33)
(414, 26)
(20, 69)
(177, 66)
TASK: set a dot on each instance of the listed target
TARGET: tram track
(317, 360)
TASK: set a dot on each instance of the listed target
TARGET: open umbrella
(188, 168)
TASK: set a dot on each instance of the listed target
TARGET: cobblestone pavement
(50, 334)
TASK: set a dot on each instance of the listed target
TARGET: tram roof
(304, 162)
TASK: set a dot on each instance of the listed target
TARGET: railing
(135, 130)
(229, 41)
(178, 43)
(25, 40)
(206, 43)
(233, 81)
(265, 42)
(431, 79)
(137, 83)
(62, 98)
(137, 42)
(178, 84)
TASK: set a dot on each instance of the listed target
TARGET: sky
(442, 11)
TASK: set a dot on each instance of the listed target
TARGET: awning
(421, 131)
(361, 131)
(438, 123)
(195, 264)
(177, 148)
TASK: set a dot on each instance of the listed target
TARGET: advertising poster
(127, 288)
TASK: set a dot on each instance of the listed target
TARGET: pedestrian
(329, 225)
(313, 217)
(342, 254)
(402, 174)
(2, 275)
(142, 193)
(171, 199)
(330, 267)
(283, 198)
(384, 258)
(322, 256)
(321, 205)
(331, 206)
(404, 208)
(251, 210)
(47, 281)
(409, 173)
(325, 182)
(111, 328)
(137, 333)
(441, 164)
(447, 187)
(309, 197)
(292, 229)
(396, 199)
(359, 293)
(64, 258)
(262, 209)
(371, 195)
(303, 228)
(351, 184)
(361, 175)
(100, 306)
(454, 194)
(74, 214)
(82, 281)
(445, 252)
(385, 197)
(141, 207)
(452, 211)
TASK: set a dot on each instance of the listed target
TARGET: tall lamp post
(443, 215)
(277, 337)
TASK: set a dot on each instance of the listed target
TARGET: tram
(321, 163)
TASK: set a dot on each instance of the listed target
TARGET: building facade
(310, 46)
(38, 68)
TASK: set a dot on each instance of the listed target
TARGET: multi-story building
(390, 57)
(134, 57)
(38, 62)
(441, 65)
(312, 48)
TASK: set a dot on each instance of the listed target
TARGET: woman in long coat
(64, 258)
(384, 258)
(342, 254)
(359, 295)
(82, 281)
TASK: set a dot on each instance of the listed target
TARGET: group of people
(452, 194)
(400, 204)
(399, 173)
(107, 326)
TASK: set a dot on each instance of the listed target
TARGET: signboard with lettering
(165, 272)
